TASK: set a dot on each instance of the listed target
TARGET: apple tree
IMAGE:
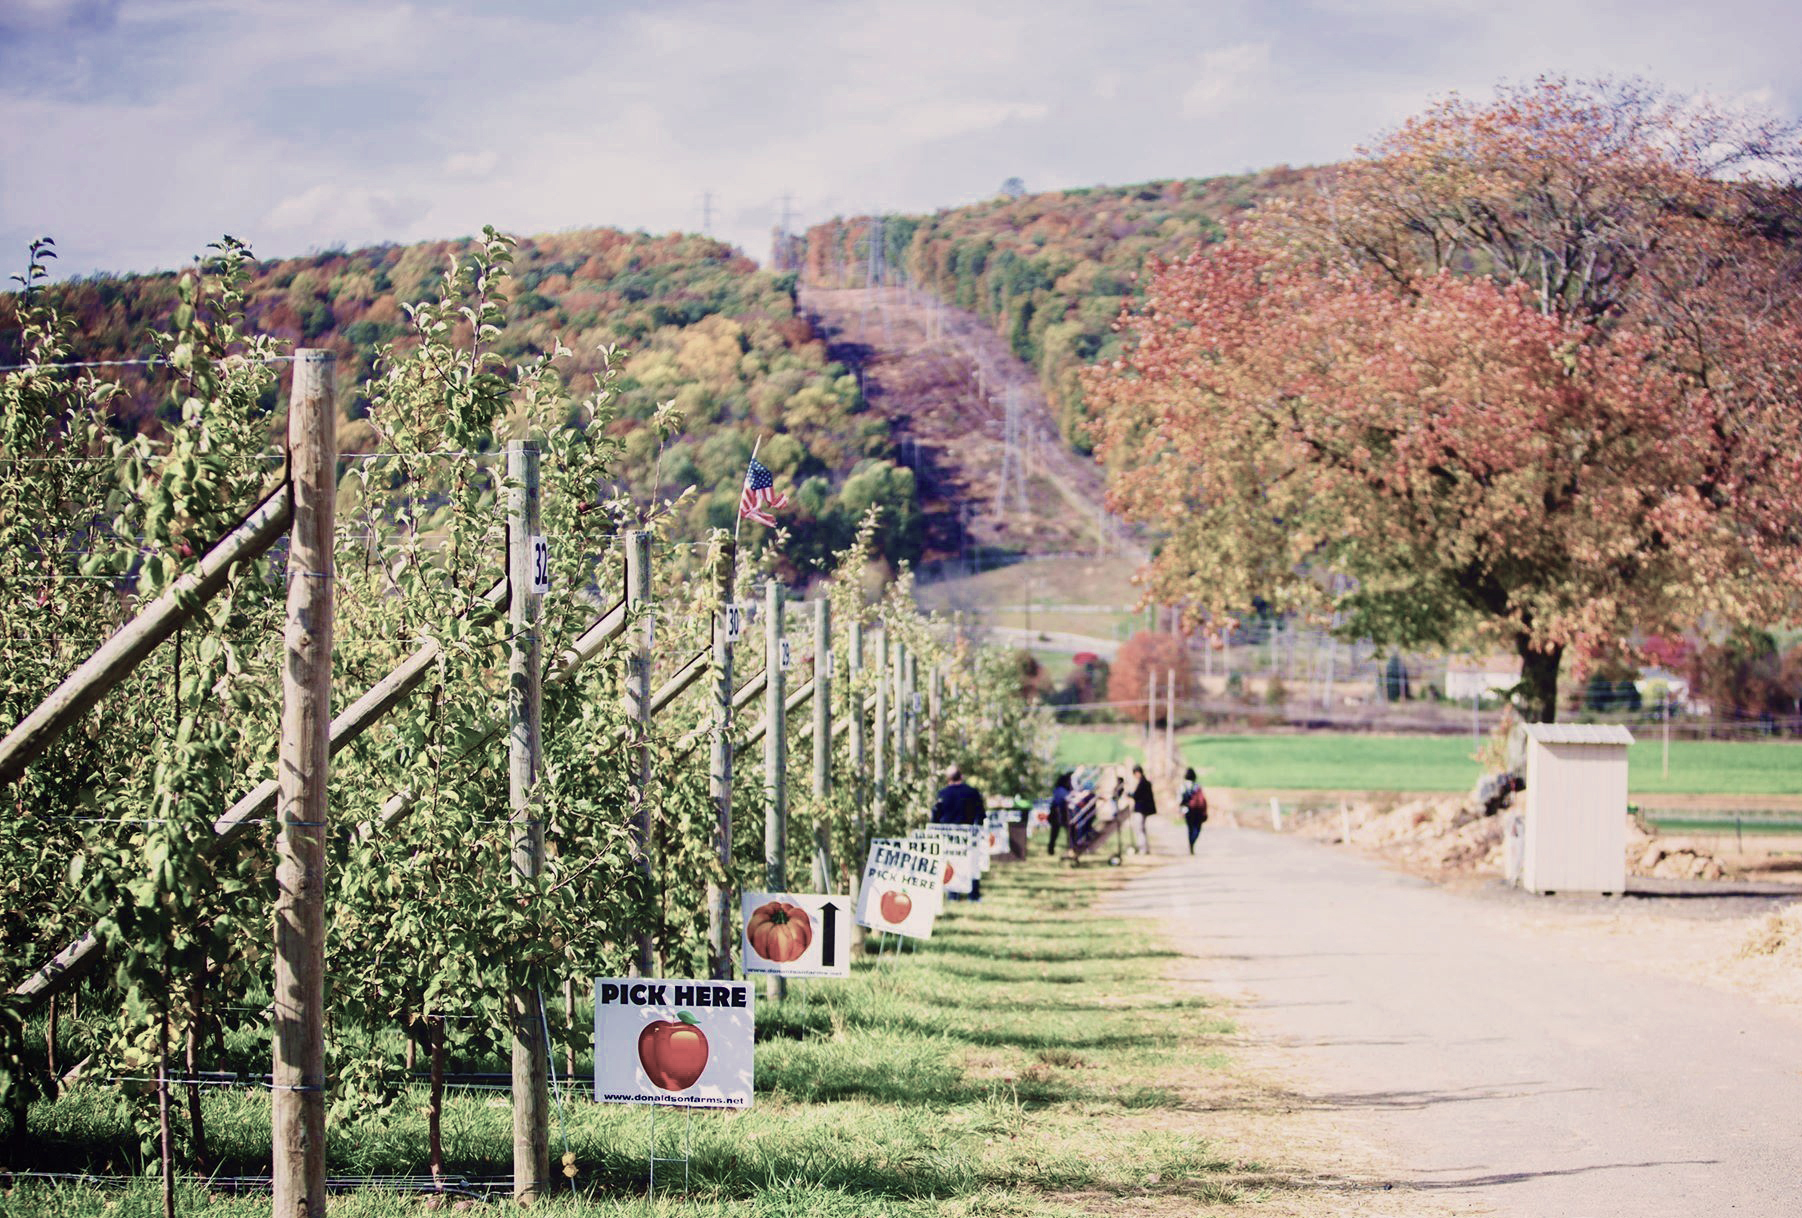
(1523, 374)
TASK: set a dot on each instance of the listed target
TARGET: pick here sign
(685, 1043)
(903, 887)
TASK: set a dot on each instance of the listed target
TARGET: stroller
(1087, 831)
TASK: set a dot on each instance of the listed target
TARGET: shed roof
(1579, 733)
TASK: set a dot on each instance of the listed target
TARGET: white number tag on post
(916, 703)
(735, 622)
(541, 565)
(784, 652)
(829, 666)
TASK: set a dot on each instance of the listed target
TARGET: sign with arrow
(797, 934)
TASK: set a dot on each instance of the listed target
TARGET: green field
(1323, 761)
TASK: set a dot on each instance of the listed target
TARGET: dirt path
(1502, 1058)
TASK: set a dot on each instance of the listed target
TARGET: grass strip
(1327, 761)
(1031, 1058)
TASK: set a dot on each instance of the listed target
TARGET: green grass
(1321, 761)
(1098, 745)
(1716, 767)
(1030, 1058)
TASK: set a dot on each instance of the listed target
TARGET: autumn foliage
(707, 331)
(1146, 655)
(1523, 375)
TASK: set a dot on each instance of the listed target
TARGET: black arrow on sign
(828, 933)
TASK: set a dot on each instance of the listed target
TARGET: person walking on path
(1194, 803)
(1145, 804)
(1060, 807)
(959, 803)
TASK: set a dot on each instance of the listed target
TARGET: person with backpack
(1194, 802)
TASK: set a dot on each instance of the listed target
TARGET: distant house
(1651, 680)
(1467, 677)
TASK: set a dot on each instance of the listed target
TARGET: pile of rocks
(1447, 836)
(1646, 856)
(1438, 835)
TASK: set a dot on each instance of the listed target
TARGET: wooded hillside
(1050, 271)
(702, 326)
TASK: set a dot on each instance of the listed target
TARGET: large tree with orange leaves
(1525, 373)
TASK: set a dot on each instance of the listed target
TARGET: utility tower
(1013, 456)
(707, 213)
(876, 274)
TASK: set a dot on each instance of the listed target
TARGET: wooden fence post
(879, 729)
(898, 747)
(297, 1104)
(859, 760)
(719, 769)
(935, 708)
(775, 758)
(1170, 718)
(822, 742)
(1151, 702)
(913, 709)
(638, 710)
(148, 628)
(525, 759)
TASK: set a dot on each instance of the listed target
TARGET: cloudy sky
(135, 131)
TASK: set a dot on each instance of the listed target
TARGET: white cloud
(354, 214)
(1226, 76)
(148, 129)
(471, 164)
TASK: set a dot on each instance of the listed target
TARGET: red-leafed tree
(1525, 374)
(1147, 655)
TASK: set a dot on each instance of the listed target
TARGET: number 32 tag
(541, 566)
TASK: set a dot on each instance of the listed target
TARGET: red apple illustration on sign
(896, 906)
(673, 1052)
(947, 873)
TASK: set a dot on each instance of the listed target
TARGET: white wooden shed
(1576, 819)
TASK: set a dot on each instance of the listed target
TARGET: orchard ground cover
(1032, 1058)
(1323, 761)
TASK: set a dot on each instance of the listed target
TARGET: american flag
(760, 497)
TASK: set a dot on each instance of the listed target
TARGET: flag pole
(740, 523)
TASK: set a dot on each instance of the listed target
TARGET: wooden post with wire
(1151, 703)
(822, 742)
(775, 758)
(1170, 718)
(914, 708)
(879, 729)
(897, 679)
(297, 1082)
(638, 711)
(859, 745)
(719, 767)
(526, 574)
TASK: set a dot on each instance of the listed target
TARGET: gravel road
(1501, 1072)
